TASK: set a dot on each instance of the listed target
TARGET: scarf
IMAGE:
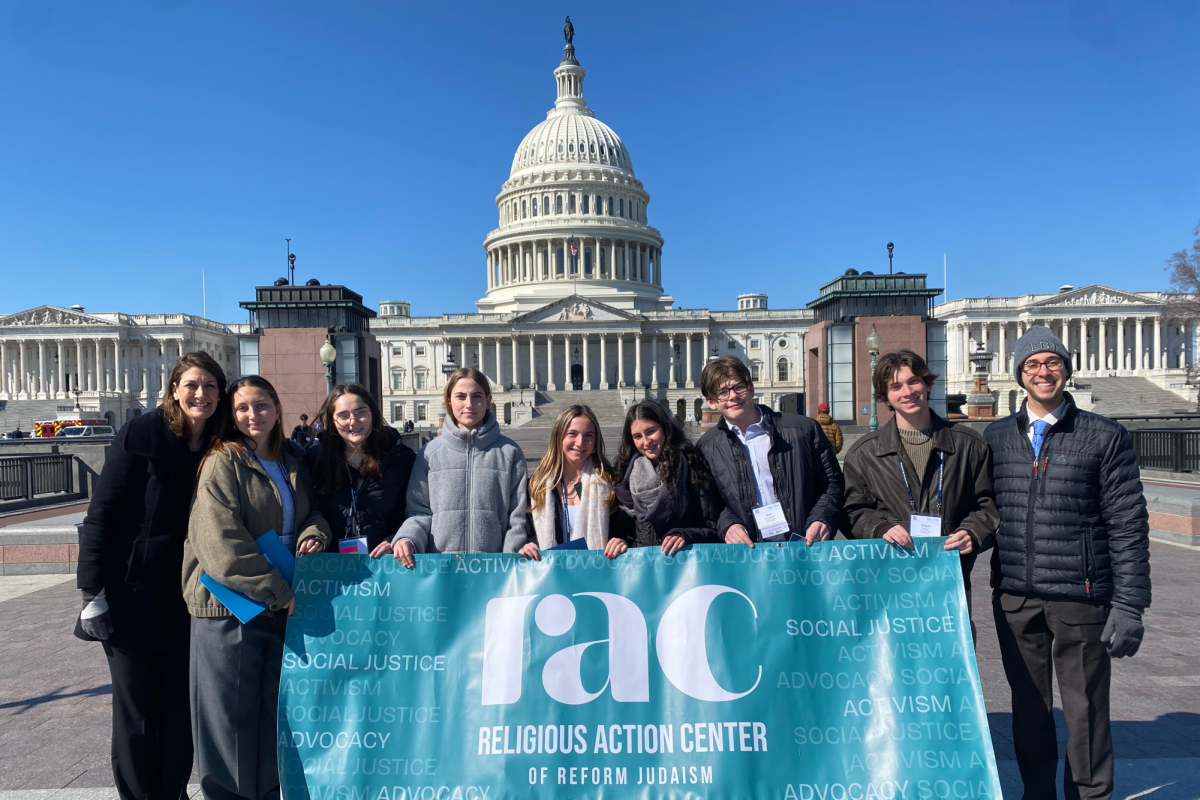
(648, 499)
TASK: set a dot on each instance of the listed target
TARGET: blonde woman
(468, 490)
(570, 490)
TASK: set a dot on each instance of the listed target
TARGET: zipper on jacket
(467, 492)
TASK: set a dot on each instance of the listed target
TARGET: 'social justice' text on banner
(841, 671)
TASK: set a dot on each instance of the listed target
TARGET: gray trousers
(235, 703)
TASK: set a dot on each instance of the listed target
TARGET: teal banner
(842, 671)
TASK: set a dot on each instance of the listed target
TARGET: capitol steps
(1127, 397)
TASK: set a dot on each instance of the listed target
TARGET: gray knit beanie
(1039, 339)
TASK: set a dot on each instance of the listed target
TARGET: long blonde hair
(549, 471)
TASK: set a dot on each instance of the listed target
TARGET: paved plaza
(55, 693)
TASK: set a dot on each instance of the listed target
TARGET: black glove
(95, 619)
(1123, 632)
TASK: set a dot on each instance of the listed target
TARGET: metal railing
(1176, 451)
(27, 477)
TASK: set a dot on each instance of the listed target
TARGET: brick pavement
(55, 695)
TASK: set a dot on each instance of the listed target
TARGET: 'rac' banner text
(842, 671)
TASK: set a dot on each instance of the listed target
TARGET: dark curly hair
(699, 475)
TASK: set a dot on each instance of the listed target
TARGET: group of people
(1053, 490)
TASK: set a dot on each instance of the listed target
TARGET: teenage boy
(776, 472)
(1071, 569)
(919, 475)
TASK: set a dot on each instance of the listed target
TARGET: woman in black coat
(130, 560)
(360, 472)
(665, 495)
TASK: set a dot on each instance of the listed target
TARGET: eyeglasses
(1053, 365)
(737, 388)
(360, 415)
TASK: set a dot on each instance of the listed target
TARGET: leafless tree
(1183, 273)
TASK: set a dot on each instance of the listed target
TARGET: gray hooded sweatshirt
(468, 493)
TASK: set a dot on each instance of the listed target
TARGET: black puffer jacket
(808, 480)
(131, 543)
(380, 509)
(1073, 526)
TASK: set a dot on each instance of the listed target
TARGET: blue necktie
(1039, 433)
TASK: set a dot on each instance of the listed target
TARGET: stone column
(672, 381)
(62, 358)
(1103, 355)
(1002, 359)
(1119, 361)
(604, 384)
(1140, 362)
(4, 368)
(549, 363)
(587, 372)
(516, 364)
(654, 382)
(499, 365)
(706, 353)
(41, 371)
(620, 360)
(691, 375)
(637, 363)
(769, 358)
(612, 271)
(533, 381)
(23, 375)
(566, 350)
(1157, 363)
(625, 268)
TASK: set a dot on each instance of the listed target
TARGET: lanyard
(907, 488)
(352, 514)
(566, 516)
(286, 481)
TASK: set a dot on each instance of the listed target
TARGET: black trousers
(151, 731)
(1038, 638)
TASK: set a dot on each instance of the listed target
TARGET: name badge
(924, 525)
(358, 545)
(772, 523)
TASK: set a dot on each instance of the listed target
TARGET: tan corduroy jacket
(236, 501)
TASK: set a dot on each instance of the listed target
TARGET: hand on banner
(672, 544)
(817, 532)
(531, 551)
(615, 547)
(381, 549)
(961, 541)
(309, 546)
(291, 606)
(737, 535)
(404, 553)
(898, 536)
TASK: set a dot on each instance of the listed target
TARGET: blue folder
(574, 544)
(245, 609)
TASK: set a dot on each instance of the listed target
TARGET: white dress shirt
(1053, 417)
(757, 441)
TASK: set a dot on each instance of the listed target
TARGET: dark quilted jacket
(808, 479)
(1075, 526)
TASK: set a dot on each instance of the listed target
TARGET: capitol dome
(572, 187)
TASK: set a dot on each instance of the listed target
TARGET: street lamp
(873, 344)
(890, 246)
(450, 366)
(328, 356)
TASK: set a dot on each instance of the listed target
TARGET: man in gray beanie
(1070, 572)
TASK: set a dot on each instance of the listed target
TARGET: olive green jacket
(235, 502)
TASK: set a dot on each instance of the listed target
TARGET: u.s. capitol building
(575, 301)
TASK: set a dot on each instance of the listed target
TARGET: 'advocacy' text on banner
(841, 671)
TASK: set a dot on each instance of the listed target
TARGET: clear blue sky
(1035, 143)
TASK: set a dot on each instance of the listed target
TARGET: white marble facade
(118, 362)
(1109, 333)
